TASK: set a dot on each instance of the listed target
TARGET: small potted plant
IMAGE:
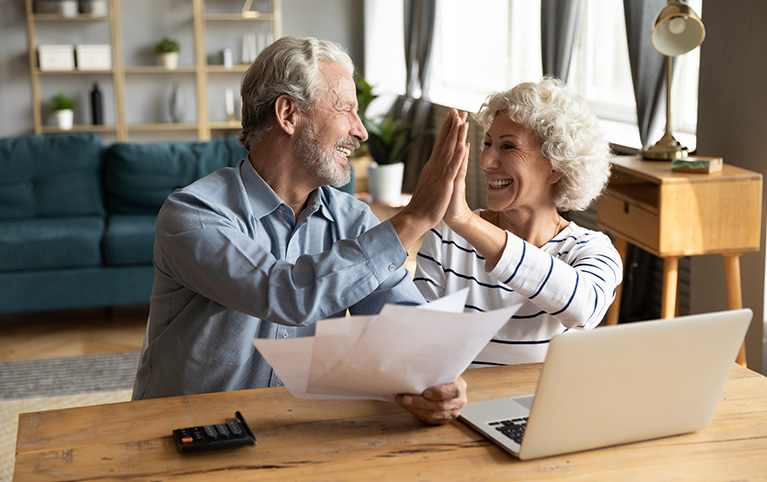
(168, 49)
(63, 107)
(389, 140)
(387, 144)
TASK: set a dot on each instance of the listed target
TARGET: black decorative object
(97, 106)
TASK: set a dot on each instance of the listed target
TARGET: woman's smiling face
(518, 176)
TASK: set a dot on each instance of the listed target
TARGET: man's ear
(286, 114)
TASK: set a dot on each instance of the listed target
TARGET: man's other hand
(437, 405)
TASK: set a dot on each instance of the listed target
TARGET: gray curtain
(419, 29)
(647, 68)
(559, 31)
(640, 298)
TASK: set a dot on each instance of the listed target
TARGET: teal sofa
(77, 218)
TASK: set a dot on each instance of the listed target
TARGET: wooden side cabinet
(674, 214)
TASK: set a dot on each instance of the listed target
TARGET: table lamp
(678, 30)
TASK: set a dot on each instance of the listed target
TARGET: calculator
(216, 436)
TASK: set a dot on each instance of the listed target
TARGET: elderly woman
(543, 153)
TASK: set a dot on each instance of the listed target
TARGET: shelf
(159, 69)
(226, 125)
(181, 126)
(220, 69)
(229, 17)
(73, 72)
(200, 72)
(80, 128)
(46, 17)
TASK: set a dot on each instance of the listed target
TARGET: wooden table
(366, 440)
(676, 214)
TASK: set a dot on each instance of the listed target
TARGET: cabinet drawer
(637, 224)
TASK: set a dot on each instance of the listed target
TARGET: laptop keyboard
(513, 428)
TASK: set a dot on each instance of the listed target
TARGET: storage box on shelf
(56, 57)
(93, 57)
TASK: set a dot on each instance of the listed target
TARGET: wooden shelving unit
(120, 75)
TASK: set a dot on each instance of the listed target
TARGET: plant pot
(170, 60)
(385, 181)
(65, 119)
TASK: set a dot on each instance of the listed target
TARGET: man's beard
(309, 152)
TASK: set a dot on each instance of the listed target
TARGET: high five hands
(439, 177)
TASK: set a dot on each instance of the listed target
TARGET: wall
(732, 122)
(337, 20)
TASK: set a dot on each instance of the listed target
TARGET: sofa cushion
(50, 175)
(50, 243)
(129, 239)
(138, 177)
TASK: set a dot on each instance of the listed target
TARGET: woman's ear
(554, 176)
(286, 114)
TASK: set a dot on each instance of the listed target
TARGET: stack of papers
(404, 349)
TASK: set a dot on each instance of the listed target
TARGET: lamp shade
(678, 29)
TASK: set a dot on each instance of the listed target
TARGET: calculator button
(222, 430)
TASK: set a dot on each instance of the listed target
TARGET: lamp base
(666, 149)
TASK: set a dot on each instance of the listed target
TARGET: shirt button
(392, 267)
(278, 383)
(285, 334)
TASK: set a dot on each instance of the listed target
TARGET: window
(480, 47)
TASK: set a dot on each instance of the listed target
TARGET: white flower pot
(385, 181)
(65, 119)
(170, 60)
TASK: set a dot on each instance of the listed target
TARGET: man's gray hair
(288, 66)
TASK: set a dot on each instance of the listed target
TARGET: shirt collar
(264, 201)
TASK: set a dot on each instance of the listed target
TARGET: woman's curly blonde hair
(568, 132)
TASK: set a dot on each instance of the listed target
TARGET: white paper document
(403, 349)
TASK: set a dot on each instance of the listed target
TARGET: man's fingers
(450, 119)
(452, 390)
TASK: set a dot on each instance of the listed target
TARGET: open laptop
(619, 384)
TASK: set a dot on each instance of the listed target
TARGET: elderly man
(266, 249)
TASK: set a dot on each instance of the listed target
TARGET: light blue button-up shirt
(232, 264)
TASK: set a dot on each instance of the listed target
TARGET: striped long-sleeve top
(567, 284)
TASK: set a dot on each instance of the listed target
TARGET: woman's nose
(488, 160)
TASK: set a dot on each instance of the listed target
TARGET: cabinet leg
(734, 293)
(614, 310)
(670, 281)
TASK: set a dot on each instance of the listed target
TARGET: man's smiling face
(332, 130)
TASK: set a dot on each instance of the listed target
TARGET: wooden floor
(55, 334)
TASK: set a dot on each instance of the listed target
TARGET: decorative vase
(385, 181)
(97, 106)
(176, 105)
(65, 119)
(170, 60)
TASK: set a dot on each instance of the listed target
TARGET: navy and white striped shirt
(567, 284)
(232, 264)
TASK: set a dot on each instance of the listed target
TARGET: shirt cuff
(383, 250)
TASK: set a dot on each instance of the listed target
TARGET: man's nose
(358, 129)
